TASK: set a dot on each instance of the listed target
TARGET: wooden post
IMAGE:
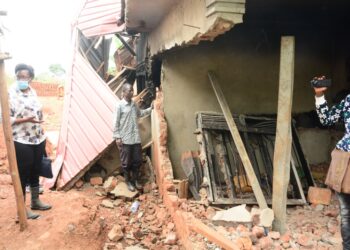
(11, 155)
(238, 142)
(283, 144)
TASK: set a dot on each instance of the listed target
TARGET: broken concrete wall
(246, 60)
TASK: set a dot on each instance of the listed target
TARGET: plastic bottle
(135, 205)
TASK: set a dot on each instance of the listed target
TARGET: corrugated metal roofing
(87, 122)
(99, 17)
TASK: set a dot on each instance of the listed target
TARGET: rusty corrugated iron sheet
(100, 17)
(87, 122)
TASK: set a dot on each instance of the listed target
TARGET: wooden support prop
(127, 46)
(238, 141)
(283, 144)
(11, 155)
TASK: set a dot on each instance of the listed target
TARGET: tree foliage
(57, 70)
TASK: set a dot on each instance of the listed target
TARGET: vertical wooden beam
(11, 155)
(283, 144)
(238, 142)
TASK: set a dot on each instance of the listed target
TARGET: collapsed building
(172, 45)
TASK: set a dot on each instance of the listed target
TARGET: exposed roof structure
(100, 17)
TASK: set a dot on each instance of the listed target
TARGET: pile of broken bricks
(314, 226)
(142, 221)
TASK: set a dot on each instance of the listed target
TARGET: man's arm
(116, 122)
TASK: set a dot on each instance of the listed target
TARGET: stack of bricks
(45, 89)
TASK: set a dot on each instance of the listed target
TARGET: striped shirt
(125, 122)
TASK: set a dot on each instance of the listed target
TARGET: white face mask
(22, 84)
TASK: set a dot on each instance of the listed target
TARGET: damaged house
(171, 46)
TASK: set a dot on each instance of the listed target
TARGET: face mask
(22, 85)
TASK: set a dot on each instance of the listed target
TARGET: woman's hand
(319, 91)
(119, 142)
(27, 119)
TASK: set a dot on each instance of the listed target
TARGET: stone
(109, 184)
(274, 235)
(285, 245)
(116, 233)
(210, 213)
(235, 214)
(121, 190)
(319, 207)
(318, 195)
(285, 237)
(241, 228)
(107, 204)
(331, 212)
(244, 243)
(96, 181)
(117, 202)
(134, 248)
(265, 242)
(147, 188)
(170, 239)
(266, 217)
(330, 239)
(304, 240)
(332, 226)
(79, 183)
(258, 231)
(170, 226)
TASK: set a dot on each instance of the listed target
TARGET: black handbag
(46, 168)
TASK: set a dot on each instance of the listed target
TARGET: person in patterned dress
(338, 176)
(26, 117)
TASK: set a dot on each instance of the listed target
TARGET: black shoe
(130, 186)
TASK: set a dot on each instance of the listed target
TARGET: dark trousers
(131, 157)
(29, 161)
(344, 201)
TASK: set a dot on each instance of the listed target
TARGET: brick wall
(45, 89)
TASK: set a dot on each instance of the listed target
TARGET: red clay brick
(319, 195)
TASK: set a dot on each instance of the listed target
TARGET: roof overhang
(144, 16)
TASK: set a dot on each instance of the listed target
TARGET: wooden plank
(116, 77)
(283, 144)
(238, 141)
(10, 147)
(297, 179)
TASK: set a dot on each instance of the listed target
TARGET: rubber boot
(135, 175)
(36, 204)
(128, 182)
(31, 215)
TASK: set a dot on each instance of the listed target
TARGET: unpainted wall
(246, 61)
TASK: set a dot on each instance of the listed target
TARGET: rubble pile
(314, 226)
(141, 219)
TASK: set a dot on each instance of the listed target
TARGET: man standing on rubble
(127, 136)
